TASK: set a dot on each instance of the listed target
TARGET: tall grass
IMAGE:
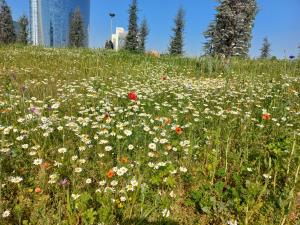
(207, 141)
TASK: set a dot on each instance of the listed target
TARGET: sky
(279, 20)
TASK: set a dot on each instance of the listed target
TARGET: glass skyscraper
(50, 21)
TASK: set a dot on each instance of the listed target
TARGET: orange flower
(291, 90)
(5, 110)
(124, 160)
(106, 116)
(45, 165)
(266, 116)
(110, 173)
(167, 121)
(168, 147)
(37, 190)
(178, 130)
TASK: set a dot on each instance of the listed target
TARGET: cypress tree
(208, 45)
(76, 35)
(176, 43)
(23, 32)
(51, 35)
(266, 49)
(7, 32)
(144, 32)
(299, 52)
(230, 33)
(131, 42)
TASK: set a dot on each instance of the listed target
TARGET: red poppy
(110, 173)
(178, 130)
(266, 116)
(164, 78)
(132, 96)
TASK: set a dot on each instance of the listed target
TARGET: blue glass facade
(50, 20)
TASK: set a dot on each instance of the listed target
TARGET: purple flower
(35, 111)
(64, 182)
(291, 56)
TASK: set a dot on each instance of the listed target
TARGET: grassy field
(94, 137)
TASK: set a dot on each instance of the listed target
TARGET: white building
(118, 39)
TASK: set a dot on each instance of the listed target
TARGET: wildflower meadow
(98, 137)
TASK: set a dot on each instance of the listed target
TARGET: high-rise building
(50, 21)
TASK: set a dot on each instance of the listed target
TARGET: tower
(50, 20)
(118, 39)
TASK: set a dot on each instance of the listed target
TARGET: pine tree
(266, 49)
(76, 36)
(176, 43)
(245, 26)
(7, 32)
(23, 31)
(143, 33)
(230, 33)
(131, 42)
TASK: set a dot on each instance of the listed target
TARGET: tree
(208, 45)
(23, 30)
(76, 36)
(266, 49)
(299, 52)
(230, 33)
(109, 44)
(176, 43)
(131, 42)
(143, 33)
(51, 34)
(7, 32)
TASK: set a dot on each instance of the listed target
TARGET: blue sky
(277, 19)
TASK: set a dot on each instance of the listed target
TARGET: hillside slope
(94, 137)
